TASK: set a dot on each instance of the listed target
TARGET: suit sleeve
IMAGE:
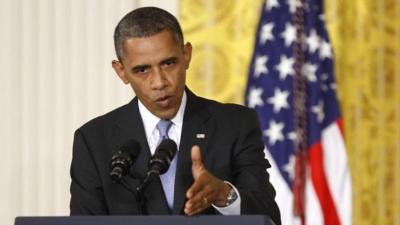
(87, 196)
(250, 170)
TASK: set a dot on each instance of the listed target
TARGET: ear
(119, 69)
(187, 54)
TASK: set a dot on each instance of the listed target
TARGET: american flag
(270, 92)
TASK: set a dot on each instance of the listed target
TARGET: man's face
(156, 67)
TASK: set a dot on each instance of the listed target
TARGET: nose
(158, 79)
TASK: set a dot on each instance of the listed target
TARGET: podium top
(146, 220)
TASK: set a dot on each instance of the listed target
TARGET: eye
(141, 69)
(169, 62)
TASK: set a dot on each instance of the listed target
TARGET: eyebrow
(173, 58)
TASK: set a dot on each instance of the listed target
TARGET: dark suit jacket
(232, 150)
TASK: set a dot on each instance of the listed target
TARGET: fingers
(206, 189)
(198, 203)
(198, 185)
(197, 170)
(201, 194)
(197, 210)
(200, 189)
(197, 162)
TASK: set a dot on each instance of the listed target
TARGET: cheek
(142, 94)
(180, 77)
(139, 87)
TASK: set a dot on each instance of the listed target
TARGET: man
(219, 167)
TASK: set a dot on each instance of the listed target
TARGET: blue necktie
(168, 179)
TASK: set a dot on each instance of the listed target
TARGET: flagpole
(300, 115)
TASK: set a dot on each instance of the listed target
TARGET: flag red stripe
(315, 159)
(339, 122)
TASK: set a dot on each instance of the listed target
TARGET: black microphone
(160, 161)
(123, 159)
(162, 157)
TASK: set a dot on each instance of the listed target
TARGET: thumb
(197, 163)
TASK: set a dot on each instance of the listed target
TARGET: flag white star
(319, 111)
(309, 71)
(321, 17)
(254, 98)
(324, 77)
(293, 5)
(279, 100)
(274, 132)
(295, 136)
(324, 85)
(271, 4)
(325, 50)
(313, 41)
(290, 166)
(266, 33)
(306, 7)
(289, 34)
(260, 65)
(292, 136)
(285, 67)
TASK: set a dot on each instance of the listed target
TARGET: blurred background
(55, 74)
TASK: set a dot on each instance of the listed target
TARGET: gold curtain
(366, 39)
(222, 34)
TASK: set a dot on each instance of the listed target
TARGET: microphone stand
(141, 198)
(139, 194)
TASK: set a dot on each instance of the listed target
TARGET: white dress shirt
(152, 134)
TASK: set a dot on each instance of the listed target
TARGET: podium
(147, 220)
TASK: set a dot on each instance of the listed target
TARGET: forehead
(157, 45)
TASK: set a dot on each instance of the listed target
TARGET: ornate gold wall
(222, 34)
(366, 39)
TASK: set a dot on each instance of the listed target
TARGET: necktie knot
(163, 127)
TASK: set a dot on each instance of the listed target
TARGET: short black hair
(144, 22)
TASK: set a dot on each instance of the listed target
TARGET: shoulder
(227, 108)
(228, 111)
(107, 120)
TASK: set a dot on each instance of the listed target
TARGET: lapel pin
(200, 136)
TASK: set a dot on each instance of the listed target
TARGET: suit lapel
(131, 127)
(197, 130)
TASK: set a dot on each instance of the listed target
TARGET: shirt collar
(150, 120)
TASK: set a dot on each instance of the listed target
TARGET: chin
(168, 114)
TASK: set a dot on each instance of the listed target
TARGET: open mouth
(164, 101)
